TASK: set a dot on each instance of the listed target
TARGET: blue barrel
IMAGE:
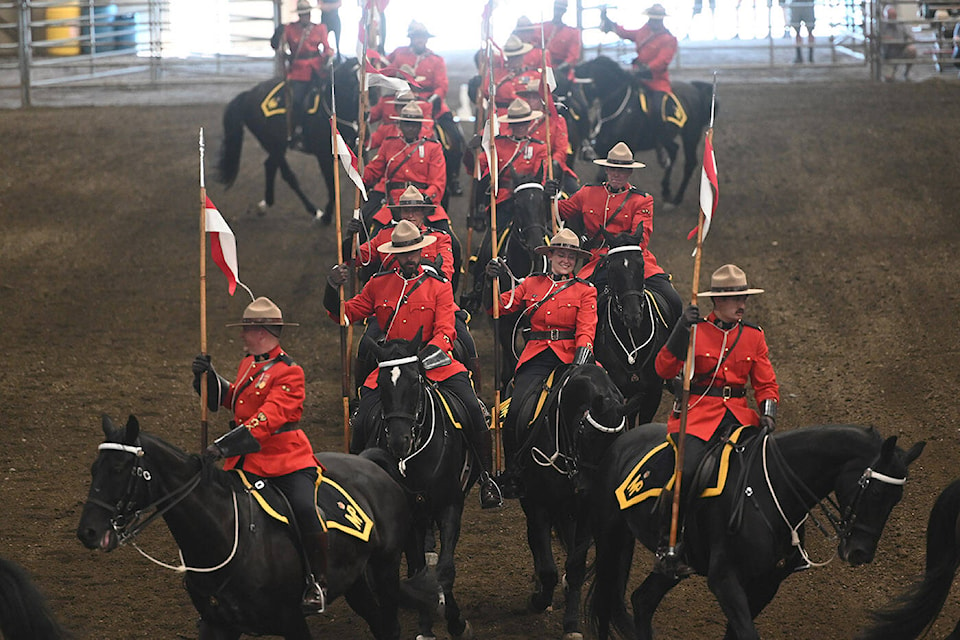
(125, 32)
(102, 24)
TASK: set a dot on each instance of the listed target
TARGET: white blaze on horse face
(394, 375)
(625, 263)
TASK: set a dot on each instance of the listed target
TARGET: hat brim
(525, 49)
(413, 205)
(728, 294)
(419, 34)
(405, 119)
(603, 162)
(656, 14)
(388, 247)
(263, 322)
(533, 115)
(546, 249)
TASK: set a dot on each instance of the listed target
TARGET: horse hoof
(467, 632)
(573, 635)
(262, 207)
(432, 558)
(539, 602)
(423, 637)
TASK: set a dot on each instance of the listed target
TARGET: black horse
(245, 569)
(523, 223)
(633, 323)
(558, 452)
(262, 110)
(622, 118)
(741, 539)
(24, 614)
(416, 426)
(911, 613)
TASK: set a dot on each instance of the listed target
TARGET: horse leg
(689, 163)
(270, 166)
(208, 631)
(449, 520)
(575, 574)
(327, 167)
(650, 403)
(544, 566)
(646, 598)
(760, 591)
(725, 584)
(291, 179)
(614, 555)
(376, 599)
(671, 148)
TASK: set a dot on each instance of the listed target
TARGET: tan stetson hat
(404, 97)
(523, 24)
(418, 29)
(411, 112)
(412, 198)
(405, 238)
(656, 11)
(520, 111)
(262, 312)
(620, 157)
(565, 239)
(516, 47)
(729, 280)
(303, 6)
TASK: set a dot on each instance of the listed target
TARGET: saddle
(275, 102)
(338, 509)
(654, 470)
(533, 403)
(670, 111)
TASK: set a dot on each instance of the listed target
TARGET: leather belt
(290, 426)
(403, 185)
(553, 334)
(725, 392)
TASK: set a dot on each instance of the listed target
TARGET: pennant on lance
(348, 160)
(223, 245)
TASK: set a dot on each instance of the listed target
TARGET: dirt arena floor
(839, 199)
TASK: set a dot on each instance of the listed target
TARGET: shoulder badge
(753, 326)
(586, 282)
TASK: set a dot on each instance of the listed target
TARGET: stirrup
(314, 598)
(490, 495)
(670, 563)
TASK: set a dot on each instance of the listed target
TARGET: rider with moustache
(404, 300)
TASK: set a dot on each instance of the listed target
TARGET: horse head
(624, 265)
(592, 407)
(530, 212)
(867, 496)
(601, 77)
(399, 382)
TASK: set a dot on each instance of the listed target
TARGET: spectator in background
(896, 44)
(330, 18)
(800, 13)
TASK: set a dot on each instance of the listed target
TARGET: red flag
(348, 160)
(709, 186)
(223, 245)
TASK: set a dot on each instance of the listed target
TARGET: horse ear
(418, 338)
(607, 235)
(539, 177)
(370, 345)
(914, 452)
(132, 430)
(107, 424)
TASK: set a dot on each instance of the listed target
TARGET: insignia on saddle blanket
(670, 108)
(275, 102)
(338, 509)
(655, 471)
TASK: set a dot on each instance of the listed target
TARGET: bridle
(520, 230)
(423, 420)
(604, 102)
(127, 520)
(615, 300)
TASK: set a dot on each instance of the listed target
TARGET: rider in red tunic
(518, 155)
(267, 402)
(562, 42)
(307, 51)
(409, 159)
(562, 311)
(728, 353)
(559, 137)
(656, 47)
(617, 207)
(405, 300)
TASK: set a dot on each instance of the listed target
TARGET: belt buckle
(727, 392)
(554, 334)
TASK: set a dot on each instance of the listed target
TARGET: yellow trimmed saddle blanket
(275, 102)
(338, 509)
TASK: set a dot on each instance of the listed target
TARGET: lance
(688, 363)
(494, 167)
(203, 298)
(478, 130)
(544, 94)
(344, 367)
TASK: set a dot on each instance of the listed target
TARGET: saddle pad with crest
(549, 385)
(338, 509)
(670, 109)
(654, 472)
(275, 102)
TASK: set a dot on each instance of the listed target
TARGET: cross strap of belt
(403, 301)
(388, 176)
(725, 391)
(304, 34)
(533, 308)
(630, 193)
(698, 382)
(246, 383)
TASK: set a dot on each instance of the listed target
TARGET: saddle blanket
(655, 472)
(670, 109)
(338, 509)
(275, 102)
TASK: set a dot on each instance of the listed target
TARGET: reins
(641, 293)
(127, 531)
(616, 114)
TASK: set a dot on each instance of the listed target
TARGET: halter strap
(625, 248)
(397, 361)
(869, 474)
(599, 427)
(528, 185)
(116, 446)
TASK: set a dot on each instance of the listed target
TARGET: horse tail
(916, 608)
(23, 610)
(228, 165)
(705, 93)
(605, 597)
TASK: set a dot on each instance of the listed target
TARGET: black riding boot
(669, 561)
(315, 595)
(490, 496)
(473, 365)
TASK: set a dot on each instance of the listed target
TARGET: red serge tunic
(430, 305)
(563, 42)
(622, 212)
(384, 216)
(654, 49)
(431, 75)
(573, 308)
(399, 164)
(267, 395)
(515, 157)
(722, 358)
(442, 247)
(309, 56)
